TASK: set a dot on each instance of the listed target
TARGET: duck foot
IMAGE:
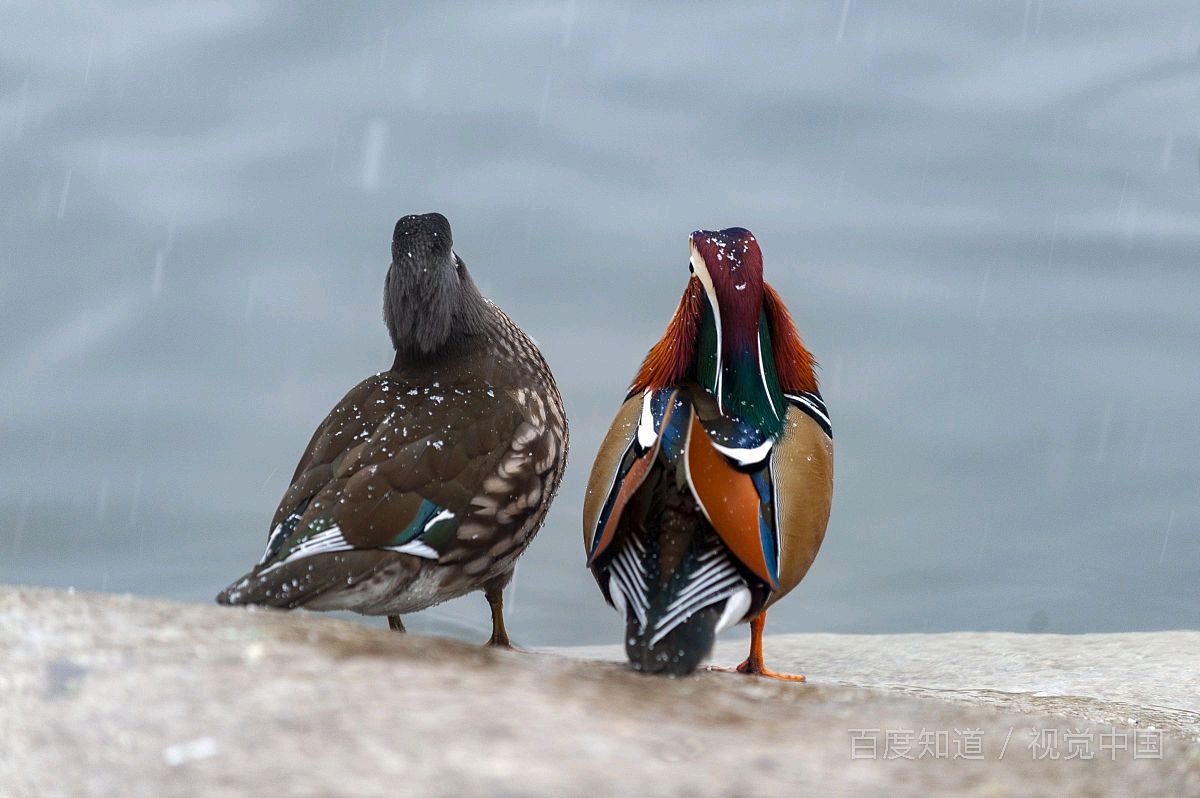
(753, 664)
(751, 668)
(500, 642)
(494, 592)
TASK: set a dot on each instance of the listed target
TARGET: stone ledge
(106, 695)
(1136, 679)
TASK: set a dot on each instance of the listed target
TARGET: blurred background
(985, 218)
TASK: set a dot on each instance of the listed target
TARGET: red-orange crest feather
(793, 362)
(672, 358)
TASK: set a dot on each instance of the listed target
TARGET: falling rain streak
(135, 499)
(64, 194)
(568, 23)
(1162, 554)
(373, 151)
(545, 102)
(157, 278)
(102, 501)
(845, 16)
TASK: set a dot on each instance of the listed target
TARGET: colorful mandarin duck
(427, 481)
(710, 495)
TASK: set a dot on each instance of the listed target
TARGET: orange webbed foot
(752, 669)
(753, 664)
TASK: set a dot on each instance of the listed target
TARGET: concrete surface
(104, 695)
(1136, 679)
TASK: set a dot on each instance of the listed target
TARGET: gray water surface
(984, 216)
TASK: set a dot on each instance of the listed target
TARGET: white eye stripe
(701, 269)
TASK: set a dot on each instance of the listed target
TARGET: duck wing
(445, 472)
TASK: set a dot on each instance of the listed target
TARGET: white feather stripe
(635, 597)
(617, 595)
(275, 533)
(735, 609)
(716, 579)
(627, 570)
(701, 269)
(703, 577)
(646, 434)
(628, 564)
(415, 548)
(810, 399)
(699, 589)
(331, 540)
(687, 472)
(666, 626)
(775, 516)
(444, 515)
(762, 373)
(746, 456)
(713, 593)
(815, 406)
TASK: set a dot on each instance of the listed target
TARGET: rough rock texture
(108, 695)
(1136, 679)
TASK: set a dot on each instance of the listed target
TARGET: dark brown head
(430, 304)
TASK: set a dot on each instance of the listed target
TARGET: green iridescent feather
(745, 395)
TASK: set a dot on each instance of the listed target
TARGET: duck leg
(493, 590)
(395, 624)
(754, 663)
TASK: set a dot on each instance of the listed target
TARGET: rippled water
(985, 217)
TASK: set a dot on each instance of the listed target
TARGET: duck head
(732, 334)
(734, 358)
(431, 305)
